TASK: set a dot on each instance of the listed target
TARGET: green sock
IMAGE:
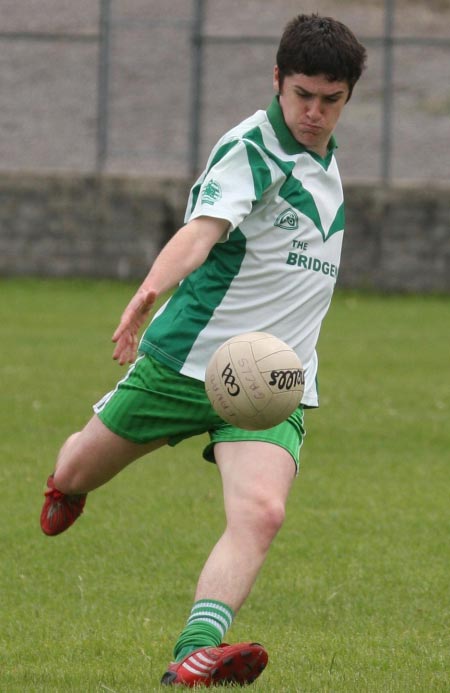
(206, 626)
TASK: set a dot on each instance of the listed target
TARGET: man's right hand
(127, 333)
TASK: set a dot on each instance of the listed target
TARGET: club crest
(287, 220)
(211, 192)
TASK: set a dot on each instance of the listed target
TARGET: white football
(254, 381)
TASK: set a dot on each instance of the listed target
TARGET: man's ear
(276, 79)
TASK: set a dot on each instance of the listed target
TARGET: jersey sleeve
(233, 182)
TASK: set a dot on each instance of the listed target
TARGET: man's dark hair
(314, 45)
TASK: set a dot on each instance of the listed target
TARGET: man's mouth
(313, 129)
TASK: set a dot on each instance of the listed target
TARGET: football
(254, 381)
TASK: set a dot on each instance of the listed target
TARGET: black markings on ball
(286, 379)
(229, 380)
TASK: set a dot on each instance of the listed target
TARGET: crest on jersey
(211, 192)
(287, 220)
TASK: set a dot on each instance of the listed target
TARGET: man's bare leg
(87, 460)
(256, 479)
(94, 455)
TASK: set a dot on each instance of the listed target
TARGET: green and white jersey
(276, 269)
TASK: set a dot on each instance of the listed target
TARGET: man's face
(311, 107)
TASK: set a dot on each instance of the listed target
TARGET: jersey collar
(286, 138)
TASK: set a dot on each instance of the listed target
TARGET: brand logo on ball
(287, 379)
(229, 381)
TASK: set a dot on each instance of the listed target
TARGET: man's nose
(315, 109)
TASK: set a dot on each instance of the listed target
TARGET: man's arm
(185, 251)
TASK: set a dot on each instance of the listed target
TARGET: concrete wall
(397, 238)
(89, 226)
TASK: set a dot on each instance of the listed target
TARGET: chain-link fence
(146, 86)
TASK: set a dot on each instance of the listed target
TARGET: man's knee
(262, 516)
(272, 513)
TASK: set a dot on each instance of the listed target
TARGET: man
(259, 251)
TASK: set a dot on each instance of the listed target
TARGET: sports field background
(354, 596)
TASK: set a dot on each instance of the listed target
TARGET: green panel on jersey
(170, 336)
(338, 223)
(255, 136)
(294, 193)
(292, 190)
(221, 152)
(260, 171)
(297, 196)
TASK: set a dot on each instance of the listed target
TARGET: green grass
(354, 596)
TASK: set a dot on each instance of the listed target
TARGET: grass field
(355, 594)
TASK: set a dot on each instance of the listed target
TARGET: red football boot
(60, 510)
(241, 663)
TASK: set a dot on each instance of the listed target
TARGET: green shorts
(153, 401)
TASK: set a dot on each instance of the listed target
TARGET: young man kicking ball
(259, 251)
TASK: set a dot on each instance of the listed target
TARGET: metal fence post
(388, 91)
(196, 85)
(103, 84)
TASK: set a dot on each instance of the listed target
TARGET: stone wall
(88, 226)
(397, 239)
